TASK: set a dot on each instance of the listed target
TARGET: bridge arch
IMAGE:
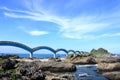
(71, 51)
(78, 52)
(16, 44)
(45, 47)
(61, 49)
(57, 50)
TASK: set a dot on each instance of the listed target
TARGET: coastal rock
(109, 66)
(54, 66)
(10, 56)
(9, 64)
(58, 78)
(84, 60)
(107, 60)
(112, 75)
(7, 75)
(31, 71)
(55, 59)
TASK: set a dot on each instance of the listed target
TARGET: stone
(54, 66)
(9, 64)
(109, 66)
(107, 60)
(31, 71)
(7, 75)
(84, 60)
(115, 75)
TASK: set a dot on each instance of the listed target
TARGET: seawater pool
(87, 72)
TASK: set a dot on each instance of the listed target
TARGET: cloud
(78, 27)
(33, 32)
(37, 33)
(111, 35)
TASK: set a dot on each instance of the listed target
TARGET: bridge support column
(66, 55)
(31, 55)
(54, 56)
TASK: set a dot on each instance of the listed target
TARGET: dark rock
(10, 56)
(31, 71)
(5, 75)
(112, 75)
(9, 64)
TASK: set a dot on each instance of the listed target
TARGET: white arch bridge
(32, 50)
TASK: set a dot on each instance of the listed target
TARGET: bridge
(32, 50)
(45, 47)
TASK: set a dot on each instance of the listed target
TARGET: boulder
(9, 64)
(7, 75)
(54, 66)
(84, 60)
(31, 71)
(109, 66)
(112, 75)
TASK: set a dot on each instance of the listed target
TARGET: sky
(70, 24)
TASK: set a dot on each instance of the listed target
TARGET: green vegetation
(12, 70)
(1, 70)
(13, 77)
(1, 60)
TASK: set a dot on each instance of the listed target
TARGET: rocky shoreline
(108, 67)
(14, 68)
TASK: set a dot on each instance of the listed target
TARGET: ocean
(26, 55)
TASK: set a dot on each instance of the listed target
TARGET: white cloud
(76, 28)
(33, 32)
(110, 35)
(37, 33)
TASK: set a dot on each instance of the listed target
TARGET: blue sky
(70, 24)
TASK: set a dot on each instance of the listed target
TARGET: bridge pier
(66, 55)
(31, 55)
(54, 56)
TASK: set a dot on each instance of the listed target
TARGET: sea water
(27, 55)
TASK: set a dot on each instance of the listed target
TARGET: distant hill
(100, 51)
